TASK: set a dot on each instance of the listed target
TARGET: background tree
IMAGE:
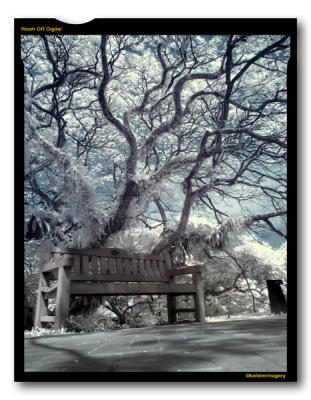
(114, 125)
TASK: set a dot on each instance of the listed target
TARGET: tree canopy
(153, 133)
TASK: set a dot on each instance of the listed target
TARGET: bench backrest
(115, 265)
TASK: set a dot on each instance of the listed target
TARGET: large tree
(148, 131)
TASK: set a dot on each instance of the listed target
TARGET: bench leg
(199, 297)
(62, 297)
(171, 308)
(42, 303)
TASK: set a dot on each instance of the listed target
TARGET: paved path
(248, 345)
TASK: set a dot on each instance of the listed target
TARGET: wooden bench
(68, 272)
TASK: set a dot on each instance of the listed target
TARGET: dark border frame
(155, 26)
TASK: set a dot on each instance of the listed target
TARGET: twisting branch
(179, 112)
(245, 277)
(195, 119)
(125, 130)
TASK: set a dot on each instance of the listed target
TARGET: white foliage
(263, 251)
(135, 239)
(87, 176)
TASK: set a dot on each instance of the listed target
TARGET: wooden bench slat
(112, 266)
(155, 268)
(141, 267)
(93, 288)
(135, 270)
(118, 278)
(162, 268)
(63, 260)
(185, 270)
(107, 252)
(168, 260)
(49, 266)
(85, 264)
(49, 289)
(47, 318)
(103, 265)
(77, 264)
(120, 268)
(148, 268)
(127, 266)
(95, 265)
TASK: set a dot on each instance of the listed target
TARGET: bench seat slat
(118, 278)
(95, 288)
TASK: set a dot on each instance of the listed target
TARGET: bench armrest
(185, 270)
(65, 261)
(49, 266)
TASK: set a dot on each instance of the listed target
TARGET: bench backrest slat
(85, 264)
(77, 264)
(111, 253)
(104, 265)
(110, 263)
(112, 266)
(95, 265)
(120, 267)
